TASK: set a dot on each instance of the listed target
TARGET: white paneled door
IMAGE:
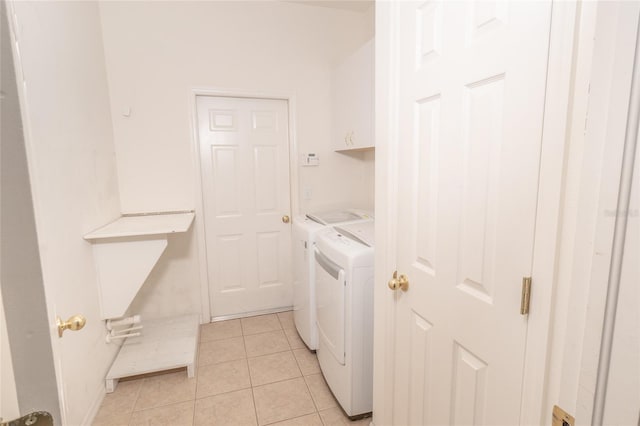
(244, 154)
(471, 88)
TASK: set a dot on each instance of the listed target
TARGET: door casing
(556, 122)
(199, 203)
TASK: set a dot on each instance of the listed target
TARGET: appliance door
(302, 296)
(330, 295)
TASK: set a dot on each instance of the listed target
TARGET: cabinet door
(352, 101)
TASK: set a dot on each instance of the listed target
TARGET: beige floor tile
(180, 414)
(220, 330)
(294, 339)
(217, 351)
(286, 320)
(273, 368)
(121, 401)
(165, 389)
(266, 343)
(229, 409)
(307, 361)
(282, 401)
(308, 420)
(215, 379)
(260, 324)
(320, 392)
(335, 416)
(112, 419)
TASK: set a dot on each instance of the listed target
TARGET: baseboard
(251, 314)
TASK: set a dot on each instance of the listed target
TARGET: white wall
(69, 145)
(156, 52)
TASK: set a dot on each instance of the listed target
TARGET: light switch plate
(560, 417)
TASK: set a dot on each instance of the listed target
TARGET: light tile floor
(251, 371)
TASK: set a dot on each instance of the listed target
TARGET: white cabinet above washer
(352, 101)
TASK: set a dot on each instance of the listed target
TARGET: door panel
(421, 346)
(230, 262)
(268, 248)
(266, 182)
(225, 181)
(471, 81)
(482, 148)
(425, 194)
(244, 146)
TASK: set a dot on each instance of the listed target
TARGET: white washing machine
(304, 230)
(344, 257)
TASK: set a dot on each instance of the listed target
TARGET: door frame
(205, 305)
(603, 155)
(556, 122)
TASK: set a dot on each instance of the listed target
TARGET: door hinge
(526, 295)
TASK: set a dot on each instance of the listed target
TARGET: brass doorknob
(285, 219)
(74, 323)
(399, 282)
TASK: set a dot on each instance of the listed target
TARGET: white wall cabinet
(352, 101)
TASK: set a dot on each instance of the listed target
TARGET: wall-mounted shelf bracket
(126, 250)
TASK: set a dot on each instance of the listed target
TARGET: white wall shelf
(165, 344)
(141, 225)
(125, 251)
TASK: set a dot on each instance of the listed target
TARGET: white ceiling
(354, 5)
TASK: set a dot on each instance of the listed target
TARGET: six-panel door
(244, 154)
(471, 85)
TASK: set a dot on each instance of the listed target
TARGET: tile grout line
(162, 406)
(292, 418)
(244, 349)
(255, 406)
(308, 388)
(195, 394)
(290, 349)
(246, 358)
(135, 403)
(252, 386)
(166, 405)
(223, 338)
(302, 376)
(270, 353)
(193, 417)
(272, 383)
(311, 395)
(253, 396)
(262, 332)
(133, 410)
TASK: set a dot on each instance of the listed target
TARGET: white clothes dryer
(344, 258)
(304, 230)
